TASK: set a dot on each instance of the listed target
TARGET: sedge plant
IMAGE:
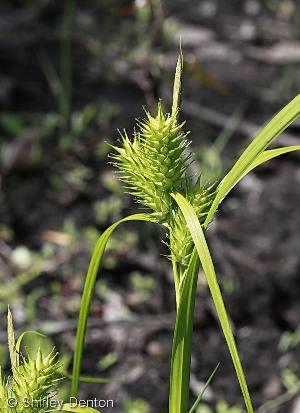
(33, 382)
(154, 166)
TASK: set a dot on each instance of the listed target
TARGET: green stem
(176, 275)
(186, 291)
(182, 341)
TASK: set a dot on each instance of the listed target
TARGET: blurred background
(71, 73)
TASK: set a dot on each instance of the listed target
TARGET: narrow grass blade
(88, 291)
(264, 138)
(182, 341)
(199, 398)
(87, 379)
(209, 271)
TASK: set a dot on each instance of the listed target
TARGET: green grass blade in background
(89, 285)
(201, 394)
(209, 271)
(87, 379)
(182, 341)
(264, 138)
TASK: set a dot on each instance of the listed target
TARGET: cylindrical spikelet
(181, 242)
(154, 163)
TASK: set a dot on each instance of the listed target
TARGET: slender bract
(154, 165)
(201, 394)
(88, 290)
(208, 268)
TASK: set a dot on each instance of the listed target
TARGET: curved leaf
(209, 271)
(88, 291)
(264, 138)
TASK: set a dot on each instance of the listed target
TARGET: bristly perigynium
(154, 164)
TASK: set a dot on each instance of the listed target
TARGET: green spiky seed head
(201, 198)
(35, 379)
(154, 162)
(32, 384)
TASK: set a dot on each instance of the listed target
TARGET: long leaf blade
(264, 138)
(88, 291)
(209, 271)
